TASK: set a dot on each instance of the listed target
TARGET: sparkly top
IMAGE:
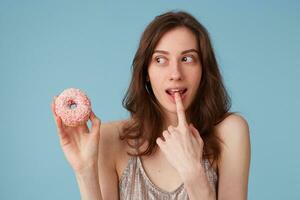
(134, 183)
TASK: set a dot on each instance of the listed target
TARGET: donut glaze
(73, 106)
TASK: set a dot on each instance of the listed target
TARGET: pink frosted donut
(73, 106)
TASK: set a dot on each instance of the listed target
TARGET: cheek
(157, 88)
(195, 76)
(195, 80)
(198, 75)
(156, 78)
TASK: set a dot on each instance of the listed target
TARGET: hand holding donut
(79, 144)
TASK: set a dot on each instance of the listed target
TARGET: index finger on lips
(180, 110)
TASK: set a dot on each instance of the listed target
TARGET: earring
(146, 86)
(152, 97)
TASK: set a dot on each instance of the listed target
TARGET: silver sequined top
(134, 183)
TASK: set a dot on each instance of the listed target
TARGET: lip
(172, 98)
(180, 88)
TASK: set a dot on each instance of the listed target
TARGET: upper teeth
(175, 90)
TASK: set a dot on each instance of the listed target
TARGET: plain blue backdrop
(47, 46)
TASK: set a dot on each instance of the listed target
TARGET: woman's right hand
(79, 144)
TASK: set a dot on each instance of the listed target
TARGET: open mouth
(171, 92)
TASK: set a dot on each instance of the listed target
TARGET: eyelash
(190, 57)
(158, 57)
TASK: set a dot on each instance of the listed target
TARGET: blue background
(47, 46)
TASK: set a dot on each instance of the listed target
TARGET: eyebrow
(183, 52)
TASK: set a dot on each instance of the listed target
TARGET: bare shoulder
(109, 137)
(234, 132)
(233, 126)
(110, 130)
(234, 162)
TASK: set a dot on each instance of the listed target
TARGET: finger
(166, 135)
(83, 128)
(63, 136)
(160, 143)
(57, 119)
(180, 110)
(196, 133)
(59, 124)
(96, 122)
(171, 129)
(53, 106)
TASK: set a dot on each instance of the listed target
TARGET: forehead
(177, 40)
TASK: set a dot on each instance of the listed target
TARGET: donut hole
(72, 105)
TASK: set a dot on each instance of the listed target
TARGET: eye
(160, 60)
(188, 59)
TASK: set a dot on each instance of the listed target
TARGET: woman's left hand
(183, 146)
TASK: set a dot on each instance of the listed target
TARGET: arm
(198, 189)
(108, 149)
(80, 146)
(233, 165)
(88, 183)
(101, 181)
(234, 162)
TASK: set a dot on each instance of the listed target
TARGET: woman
(181, 141)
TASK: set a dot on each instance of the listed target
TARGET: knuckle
(158, 142)
(166, 134)
(183, 126)
(170, 128)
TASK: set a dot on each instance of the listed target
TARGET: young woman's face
(175, 65)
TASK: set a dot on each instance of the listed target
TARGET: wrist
(91, 169)
(194, 172)
(196, 180)
(88, 182)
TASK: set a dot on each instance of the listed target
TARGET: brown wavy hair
(210, 106)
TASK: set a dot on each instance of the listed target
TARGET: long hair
(210, 106)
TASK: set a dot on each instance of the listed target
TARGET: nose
(175, 71)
